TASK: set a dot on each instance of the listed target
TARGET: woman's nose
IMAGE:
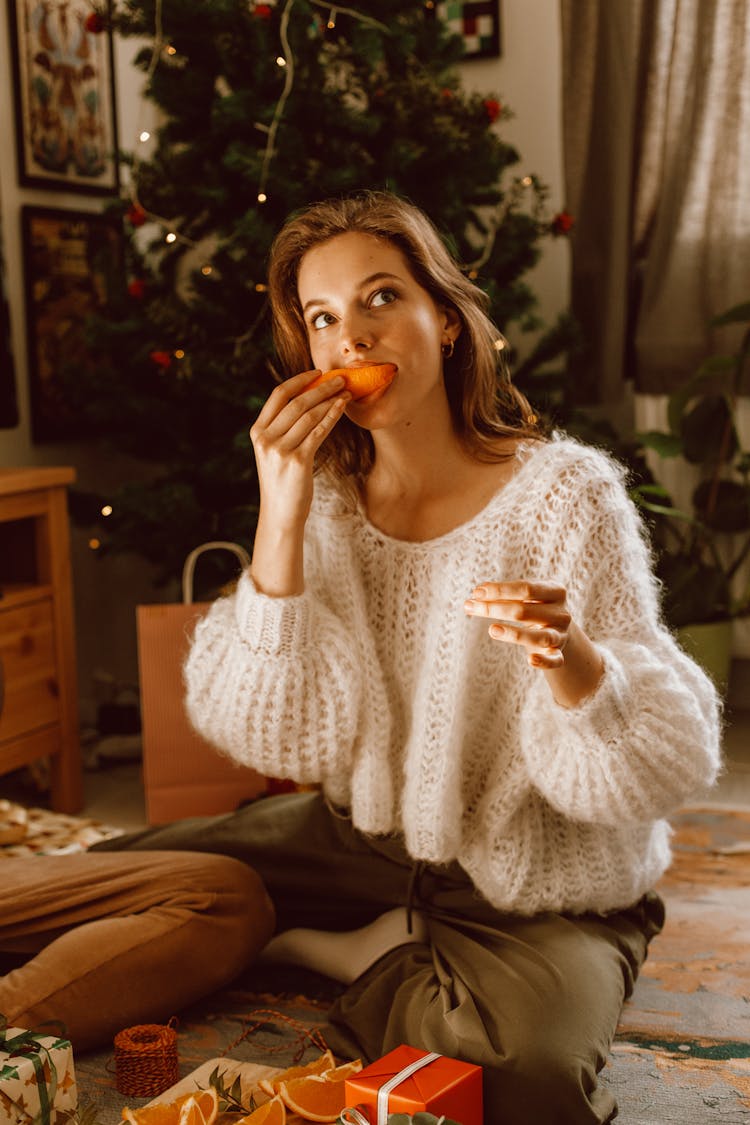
(356, 334)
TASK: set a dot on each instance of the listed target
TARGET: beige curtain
(656, 122)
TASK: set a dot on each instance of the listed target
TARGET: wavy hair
(484, 404)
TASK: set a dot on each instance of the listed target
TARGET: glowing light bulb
(171, 50)
(527, 181)
(332, 19)
(261, 288)
(179, 354)
(499, 345)
(145, 136)
(95, 544)
(262, 197)
(107, 510)
(280, 60)
(171, 237)
(206, 271)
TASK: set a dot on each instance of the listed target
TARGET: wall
(526, 77)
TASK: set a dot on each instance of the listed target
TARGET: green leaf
(723, 505)
(666, 445)
(708, 434)
(738, 313)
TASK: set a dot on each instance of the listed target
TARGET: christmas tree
(265, 108)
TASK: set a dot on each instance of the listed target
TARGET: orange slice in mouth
(360, 381)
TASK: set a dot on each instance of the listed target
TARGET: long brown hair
(484, 404)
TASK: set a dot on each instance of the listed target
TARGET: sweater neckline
(524, 455)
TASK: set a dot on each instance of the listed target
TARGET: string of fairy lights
(164, 52)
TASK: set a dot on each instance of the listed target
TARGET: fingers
(530, 614)
(292, 416)
(545, 646)
(497, 601)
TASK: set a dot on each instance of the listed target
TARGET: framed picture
(8, 403)
(478, 24)
(72, 259)
(63, 73)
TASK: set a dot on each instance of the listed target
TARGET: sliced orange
(316, 1097)
(360, 381)
(271, 1085)
(337, 1073)
(202, 1108)
(270, 1113)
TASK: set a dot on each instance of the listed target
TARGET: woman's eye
(321, 320)
(384, 297)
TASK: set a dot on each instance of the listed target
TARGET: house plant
(701, 547)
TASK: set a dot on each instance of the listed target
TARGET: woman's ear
(452, 325)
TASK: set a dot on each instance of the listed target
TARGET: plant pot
(710, 645)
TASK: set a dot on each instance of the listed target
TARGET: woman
(451, 627)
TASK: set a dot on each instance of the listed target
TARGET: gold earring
(447, 349)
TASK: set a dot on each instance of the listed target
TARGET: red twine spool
(146, 1059)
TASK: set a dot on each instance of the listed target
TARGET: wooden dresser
(38, 681)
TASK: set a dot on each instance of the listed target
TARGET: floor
(114, 792)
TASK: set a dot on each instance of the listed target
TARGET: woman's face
(362, 306)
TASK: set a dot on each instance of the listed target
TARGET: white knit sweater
(375, 683)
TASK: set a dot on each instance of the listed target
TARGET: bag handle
(189, 568)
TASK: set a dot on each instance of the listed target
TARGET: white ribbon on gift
(352, 1116)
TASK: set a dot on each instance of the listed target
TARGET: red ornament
(136, 288)
(161, 359)
(94, 23)
(262, 11)
(492, 109)
(562, 223)
(135, 215)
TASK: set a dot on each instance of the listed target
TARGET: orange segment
(271, 1085)
(346, 1070)
(200, 1107)
(315, 1098)
(271, 1113)
(360, 381)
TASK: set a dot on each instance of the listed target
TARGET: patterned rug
(42, 832)
(682, 1054)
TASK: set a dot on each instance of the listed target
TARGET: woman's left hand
(531, 614)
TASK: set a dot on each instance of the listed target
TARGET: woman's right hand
(288, 432)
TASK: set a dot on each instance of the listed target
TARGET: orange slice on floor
(271, 1085)
(316, 1097)
(270, 1113)
(360, 381)
(202, 1108)
(346, 1070)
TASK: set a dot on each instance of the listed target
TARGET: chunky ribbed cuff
(272, 626)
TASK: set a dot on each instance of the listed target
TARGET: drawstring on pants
(412, 893)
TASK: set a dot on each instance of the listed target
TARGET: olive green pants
(535, 1001)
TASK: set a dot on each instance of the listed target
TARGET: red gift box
(408, 1080)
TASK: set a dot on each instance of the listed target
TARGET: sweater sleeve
(274, 684)
(649, 737)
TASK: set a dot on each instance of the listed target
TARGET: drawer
(27, 652)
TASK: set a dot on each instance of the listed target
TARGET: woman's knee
(547, 1083)
(230, 898)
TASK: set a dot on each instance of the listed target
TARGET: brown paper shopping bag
(183, 775)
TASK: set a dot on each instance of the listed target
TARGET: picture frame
(64, 95)
(72, 260)
(478, 24)
(8, 397)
